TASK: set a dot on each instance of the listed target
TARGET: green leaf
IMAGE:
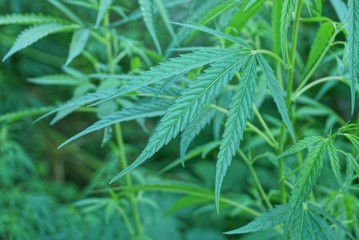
(35, 33)
(29, 18)
(340, 9)
(334, 162)
(147, 13)
(354, 163)
(277, 93)
(240, 110)
(174, 67)
(198, 94)
(78, 43)
(103, 7)
(308, 176)
(143, 110)
(353, 139)
(58, 79)
(301, 145)
(267, 220)
(288, 9)
(241, 17)
(320, 46)
(249, 4)
(194, 128)
(353, 47)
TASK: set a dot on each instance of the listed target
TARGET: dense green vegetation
(172, 119)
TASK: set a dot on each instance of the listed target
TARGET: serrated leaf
(78, 43)
(277, 93)
(58, 79)
(354, 163)
(35, 33)
(267, 220)
(320, 45)
(103, 7)
(301, 145)
(308, 176)
(147, 13)
(288, 9)
(198, 94)
(353, 47)
(353, 139)
(174, 67)
(30, 18)
(240, 110)
(194, 128)
(143, 110)
(334, 162)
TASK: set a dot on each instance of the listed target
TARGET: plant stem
(256, 179)
(128, 180)
(290, 80)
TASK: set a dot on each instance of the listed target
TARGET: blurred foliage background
(47, 193)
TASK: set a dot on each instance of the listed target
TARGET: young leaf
(194, 128)
(267, 220)
(334, 162)
(78, 43)
(240, 110)
(308, 176)
(35, 33)
(288, 9)
(249, 4)
(29, 18)
(277, 93)
(353, 47)
(144, 110)
(198, 94)
(320, 45)
(104, 6)
(147, 13)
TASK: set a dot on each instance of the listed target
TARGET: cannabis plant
(268, 85)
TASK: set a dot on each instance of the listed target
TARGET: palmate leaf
(277, 93)
(308, 176)
(240, 110)
(353, 47)
(143, 110)
(78, 43)
(29, 18)
(334, 162)
(288, 9)
(147, 13)
(320, 45)
(166, 70)
(103, 7)
(198, 94)
(267, 220)
(194, 128)
(35, 33)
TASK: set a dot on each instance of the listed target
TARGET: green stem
(269, 53)
(283, 135)
(128, 180)
(255, 178)
(265, 126)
